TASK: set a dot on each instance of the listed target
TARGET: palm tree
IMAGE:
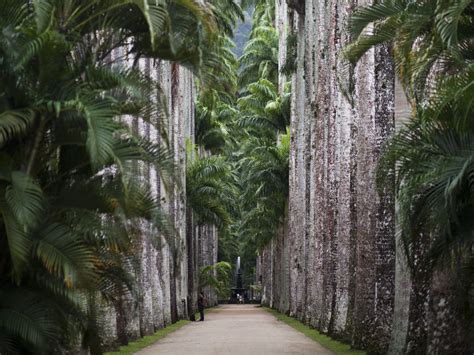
(209, 190)
(243, 118)
(246, 131)
(260, 58)
(216, 276)
(263, 111)
(218, 89)
(212, 131)
(429, 39)
(265, 188)
(431, 157)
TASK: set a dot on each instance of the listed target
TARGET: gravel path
(236, 329)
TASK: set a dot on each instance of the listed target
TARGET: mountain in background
(242, 33)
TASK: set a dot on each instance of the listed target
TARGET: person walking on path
(201, 305)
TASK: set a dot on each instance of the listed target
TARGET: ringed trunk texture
(159, 264)
(344, 259)
(336, 256)
(335, 263)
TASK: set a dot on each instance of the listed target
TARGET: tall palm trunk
(341, 238)
(191, 263)
(173, 291)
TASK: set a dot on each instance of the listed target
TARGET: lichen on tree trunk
(340, 233)
(336, 265)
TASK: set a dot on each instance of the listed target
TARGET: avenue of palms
(85, 125)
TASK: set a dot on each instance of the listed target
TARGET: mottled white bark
(106, 324)
(208, 256)
(160, 266)
(340, 233)
(402, 273)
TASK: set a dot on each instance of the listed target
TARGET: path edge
(148, 340)
(325, 341)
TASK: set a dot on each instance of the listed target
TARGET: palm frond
(448, 20)
(15, 124)
(44, 14)
(62, 254)
(25, 199)
(24, 315)
(365, 15)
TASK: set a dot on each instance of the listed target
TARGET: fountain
(239, 293)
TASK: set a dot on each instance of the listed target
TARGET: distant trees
(210, 191)
(218, 277)
(264, 150)
(245, 125)
(260, 58)
(264, 188)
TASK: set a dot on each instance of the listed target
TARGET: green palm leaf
(15, 124)
(62, 254)
(44, 12)
(19, 242)
(100, 129)
(447, 21)
(25, 199)
(364, 15)
(23, 314)
(22, 207)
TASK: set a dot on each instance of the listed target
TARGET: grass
(330, 344)
(141, 343)
(148, 340)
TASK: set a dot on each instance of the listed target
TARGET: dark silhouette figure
(201, 305)
(190, 308)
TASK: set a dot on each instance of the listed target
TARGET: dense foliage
(71, 203)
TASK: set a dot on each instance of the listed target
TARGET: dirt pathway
(236, 329)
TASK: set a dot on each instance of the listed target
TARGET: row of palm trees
(72, 205)
(432, 157)
(71, 202)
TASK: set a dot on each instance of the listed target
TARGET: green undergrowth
(148, 340)
(327, 342)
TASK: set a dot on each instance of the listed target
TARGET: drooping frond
(216, 276)
(63, 254)
(15, 124)
(24, 315)
(209, 190)
(25, 199)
